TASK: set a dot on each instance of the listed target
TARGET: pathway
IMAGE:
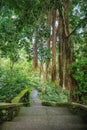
(40, 117)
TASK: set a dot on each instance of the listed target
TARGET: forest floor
(38, 117)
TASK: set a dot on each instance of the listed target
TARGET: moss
(48, 103)
(52, 103)
(9, 110)
(79, 109)
(19, 96)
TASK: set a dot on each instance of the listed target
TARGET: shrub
(11, 85)
(79, 73)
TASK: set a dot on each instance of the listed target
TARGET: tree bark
(48, 45)
(53, 75)
(60, 56)
(35, 56)
(65, 48)
(48, 60)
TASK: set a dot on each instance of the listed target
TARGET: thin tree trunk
(41, 70)
(60, 57)
(11, 69)
(48, 60)
(48, 44)
(35, 56)
(53, 75)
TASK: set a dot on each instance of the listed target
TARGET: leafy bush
(79, 73)
(11, 85)
(52, 93)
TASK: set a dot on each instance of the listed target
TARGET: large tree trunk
(35, 56)
(53, 76)
(68, 51)
(62, 44)
(65, 48)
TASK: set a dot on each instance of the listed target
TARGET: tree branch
(79, 24)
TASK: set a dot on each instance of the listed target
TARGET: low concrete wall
(75, 108)
(9, 110)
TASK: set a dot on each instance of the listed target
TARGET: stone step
(43, 125)
(40, 117)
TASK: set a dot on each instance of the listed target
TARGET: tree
(48, 45)
(33, 15)
(9, 36)
(35, 55)
(53, 45)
